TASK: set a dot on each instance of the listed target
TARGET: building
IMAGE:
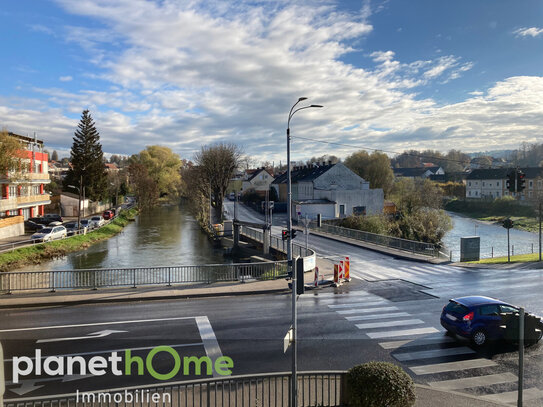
(418, 172)
(332, 190)
(491, 183)
(258, 181)
(23, 193)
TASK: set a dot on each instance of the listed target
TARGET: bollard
(336, 274)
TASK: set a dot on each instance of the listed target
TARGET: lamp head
(300, 99)
(316, 106)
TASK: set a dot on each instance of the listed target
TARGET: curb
(137, 299)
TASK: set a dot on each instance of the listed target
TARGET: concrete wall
(340, 177)
(372, 199)
(12, 226)
(327, 211)
(69, 206)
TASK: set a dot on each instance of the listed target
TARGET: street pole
(520, 356)
(539, 229)
(294, 380)
(508, 253)
(79, 207)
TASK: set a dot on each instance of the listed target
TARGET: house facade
(22, 193)
(418, 172)
(258, 181)
(492, 183)
(332, 190)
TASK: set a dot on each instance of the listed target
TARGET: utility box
(470, 248)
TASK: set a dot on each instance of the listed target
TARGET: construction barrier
(316, 282)
(336, 274)
(347, 269)
(341, 270)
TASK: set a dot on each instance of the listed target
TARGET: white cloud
(528, 32)
(65, 78)
(184, 74)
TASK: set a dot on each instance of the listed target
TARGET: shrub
(371, 223)
(380, 384)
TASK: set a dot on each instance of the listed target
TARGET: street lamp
(294, 380)
(79, 206)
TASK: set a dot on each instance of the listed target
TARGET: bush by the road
(380, 384)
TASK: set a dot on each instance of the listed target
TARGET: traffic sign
(287, 340)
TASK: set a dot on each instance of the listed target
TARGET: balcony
(33, 199)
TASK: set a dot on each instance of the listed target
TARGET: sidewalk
(430, 397)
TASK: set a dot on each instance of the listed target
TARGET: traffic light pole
(508, 248)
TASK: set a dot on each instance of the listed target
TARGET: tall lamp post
(79, 206)
(294, 380)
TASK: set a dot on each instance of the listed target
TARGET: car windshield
(70, 225)
(95, 218)
(454, 307)
(46, 230)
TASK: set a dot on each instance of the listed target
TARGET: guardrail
(256, 390)
(277, 243)
(412, 246)
(139, 276)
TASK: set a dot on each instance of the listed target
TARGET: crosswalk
(436, 359)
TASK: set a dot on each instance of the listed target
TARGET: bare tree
(216, 166)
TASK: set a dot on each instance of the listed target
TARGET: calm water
(492, 236)
(165, 236)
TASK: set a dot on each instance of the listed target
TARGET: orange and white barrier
(316, 282)
(341, 270)
(336, 274)
(347, 269)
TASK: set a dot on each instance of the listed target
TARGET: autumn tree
(163, 166)
(87, 160)
(374, 168)
(10, 157)
(54, 156)
(216, 166)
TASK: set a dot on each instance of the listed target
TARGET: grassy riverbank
(47, 251)
(519, 258)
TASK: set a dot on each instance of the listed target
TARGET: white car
(96, 221)
(50, 233)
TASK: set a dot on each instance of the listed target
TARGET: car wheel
(479, 337)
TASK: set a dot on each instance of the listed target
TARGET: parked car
(107, 215)
(53, 217)
(50, 233)
(96, 221)
(71, 228)
(40, 220)
(86, 223)
(31, 227)
(484, 319)
(55, 223)
(232, 196)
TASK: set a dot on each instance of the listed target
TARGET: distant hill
(493, 153)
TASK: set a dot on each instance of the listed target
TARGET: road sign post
(520, 356)
(508, 224)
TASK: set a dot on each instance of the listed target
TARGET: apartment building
(22, 193)
(491, 183)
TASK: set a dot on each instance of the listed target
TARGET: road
(390, 311)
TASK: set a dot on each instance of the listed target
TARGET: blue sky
(391, 74)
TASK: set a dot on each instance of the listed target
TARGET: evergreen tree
(87, 160)
(54, 156)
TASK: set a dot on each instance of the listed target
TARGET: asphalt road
(390, 311)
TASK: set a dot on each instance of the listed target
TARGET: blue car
(480, 319)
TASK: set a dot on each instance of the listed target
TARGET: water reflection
(164, 236)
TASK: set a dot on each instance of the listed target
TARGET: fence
(139, 276)
(277, 243)
(498, 250)
(256, 390)
(427, 249)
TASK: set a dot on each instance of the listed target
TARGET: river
(164, 236)
(493, 238)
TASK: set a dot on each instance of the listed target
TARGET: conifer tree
(87, 160)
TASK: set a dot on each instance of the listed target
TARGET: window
(508, 309)
(342, 209)
(469, 193)
(498, 193)
(476, 193)
(530, 194)
(489, 310)
(530, 184)
(469, 184)
(498, 183)
(483, 183)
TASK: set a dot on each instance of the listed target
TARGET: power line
(380, 149)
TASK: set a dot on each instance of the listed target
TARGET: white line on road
(405, 332)
(452, 366)
(475, 381)
(377, 316)
(137, 321)
(360, 304)
(511, 397)
(434, 353)
(209, 339)
(390, 324)
(364, 310)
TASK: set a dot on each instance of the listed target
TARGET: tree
(87, 160)
(217, 164)
(10, 154)
(144, 186)
(54, 156)
(163, 166)
(323, 158)
(408, 159)
(374, 168)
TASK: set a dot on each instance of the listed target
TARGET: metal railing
(256, 390)
(277, 243)
(139, 276)
(412, 246)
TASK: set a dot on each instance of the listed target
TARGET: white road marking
(360, 304)
(511, 397)
(377, 316)
(209, 339)
(452, 366)
(394, 344)
(137, 321)
(416, 342)
(405, 332)
(364, 310)
(390, 324)
(434, 353)
(93, 335)
(475, 381)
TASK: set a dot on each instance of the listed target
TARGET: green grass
(58, 248)
(519, 258)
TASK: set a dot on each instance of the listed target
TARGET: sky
(391, 75)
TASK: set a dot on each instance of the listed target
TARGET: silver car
(50, 233)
